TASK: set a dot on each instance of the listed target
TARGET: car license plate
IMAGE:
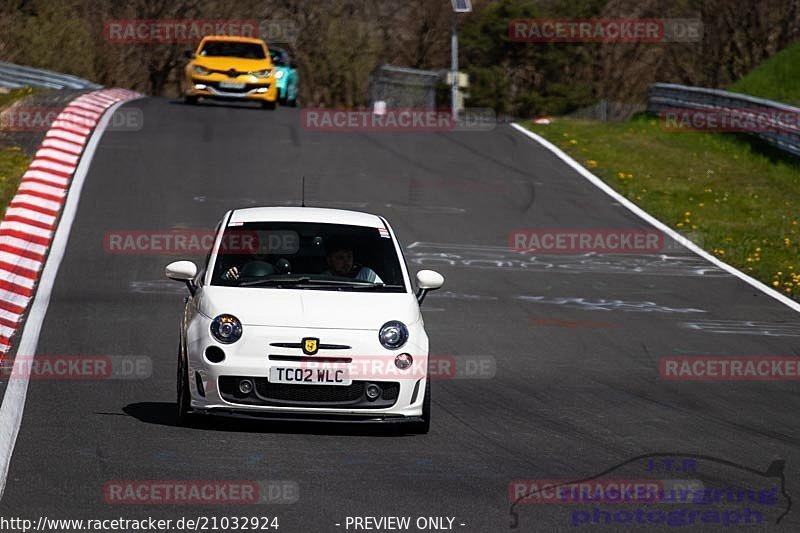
(231, 85)
(310, 376)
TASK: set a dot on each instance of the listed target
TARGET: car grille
(279, 394)
(247, 87)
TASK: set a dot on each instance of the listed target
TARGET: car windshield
(304, 255)
(232, 49)
(278, 57)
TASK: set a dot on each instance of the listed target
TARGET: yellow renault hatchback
(231, 68)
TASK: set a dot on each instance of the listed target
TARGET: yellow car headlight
(261, 73)
(201, 70)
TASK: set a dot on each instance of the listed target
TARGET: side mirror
(183, 271)
(427, 280)
(188, 54)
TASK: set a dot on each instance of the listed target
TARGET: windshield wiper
(375, 286)
(307, 280)
(275, 281)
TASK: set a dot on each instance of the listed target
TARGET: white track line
(17, 390)
(654, 221)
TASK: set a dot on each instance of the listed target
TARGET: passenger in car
(341, 263)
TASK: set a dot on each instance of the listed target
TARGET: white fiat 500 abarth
(304, 314)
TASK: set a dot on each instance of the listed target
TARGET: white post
(454, 68)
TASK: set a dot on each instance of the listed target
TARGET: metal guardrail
(15, 77)
(778, 124)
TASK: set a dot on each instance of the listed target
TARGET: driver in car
(341, 263)
(255, 265)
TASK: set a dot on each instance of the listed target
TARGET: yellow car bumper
(240, 88)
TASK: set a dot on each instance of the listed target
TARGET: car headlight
(279, 75)
(226, 329)
(393, 334)
(261, 73)
(201, 70)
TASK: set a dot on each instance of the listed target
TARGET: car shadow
(163, 414)
(221, 103)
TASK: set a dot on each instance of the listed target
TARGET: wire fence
(403, 88)
(609, 111)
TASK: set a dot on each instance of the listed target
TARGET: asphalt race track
(575, 342)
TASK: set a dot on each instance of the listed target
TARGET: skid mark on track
(608, 305)
(746, 327)
(156, 287)
(499, 257)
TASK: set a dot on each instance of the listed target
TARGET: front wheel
(191, 100)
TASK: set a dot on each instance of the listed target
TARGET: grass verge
(775, 79)
(713, 188)
(12, 165)
(13, 161)
(8, 98)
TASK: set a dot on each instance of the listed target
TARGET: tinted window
(311, 255)
(279, 58)
(232, 49)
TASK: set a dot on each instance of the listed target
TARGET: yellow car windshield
(233, 49)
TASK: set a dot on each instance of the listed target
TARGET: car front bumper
(215, 388)
(264, 90)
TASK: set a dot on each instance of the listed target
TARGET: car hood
(309, 308)
(237, 63)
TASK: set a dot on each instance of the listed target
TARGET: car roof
(306, 214)
(233, 38)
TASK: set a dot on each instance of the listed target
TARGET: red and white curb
(27, 229)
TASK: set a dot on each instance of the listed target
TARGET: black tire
(268, 105)
(293, 102)
(282, 100)
(424, 426)
(183, 416)
(191, 100)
